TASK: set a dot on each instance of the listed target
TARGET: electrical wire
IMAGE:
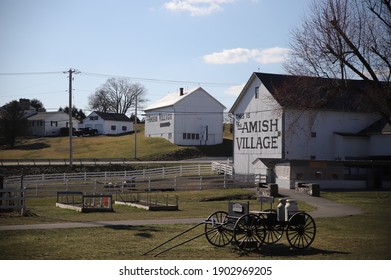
(154, 80)
(30, 73)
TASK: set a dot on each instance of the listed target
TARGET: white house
(186, 118)
(108, 123)
(332, 138)
(49, 123)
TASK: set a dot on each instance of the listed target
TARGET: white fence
(199, 176)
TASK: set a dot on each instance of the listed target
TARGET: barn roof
(173, 98)
(313, 92)
(113, 116)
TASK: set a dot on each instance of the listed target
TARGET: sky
(161, 44)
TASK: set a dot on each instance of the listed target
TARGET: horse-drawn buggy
(249, 230)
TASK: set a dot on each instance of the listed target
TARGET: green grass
(148, 148)
(356, 237)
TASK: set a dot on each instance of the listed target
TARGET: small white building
(186, 118)
(333, 139)
(49, 123)
(108, 123)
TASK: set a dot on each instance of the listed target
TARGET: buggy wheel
(216, 231)
(301, 230)
(273, 231)
(249, 232)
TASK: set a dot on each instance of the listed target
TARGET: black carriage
(250, 230)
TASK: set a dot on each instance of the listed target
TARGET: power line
(155, 80)
(30, 73)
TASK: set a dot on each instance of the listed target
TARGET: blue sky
(161, 44)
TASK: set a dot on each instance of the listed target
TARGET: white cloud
(197, 7)
(241, 55)
(235, 90)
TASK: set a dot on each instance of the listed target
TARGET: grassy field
(148, 148)
(356, 237)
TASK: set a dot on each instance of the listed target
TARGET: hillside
(148, 149)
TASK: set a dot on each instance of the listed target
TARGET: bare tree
(117, 96)
(347, 39)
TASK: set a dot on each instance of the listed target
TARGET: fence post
(200, 183)
(225, 181)
(175, 183)
(1, 187)
(21, 201)
(149, 183)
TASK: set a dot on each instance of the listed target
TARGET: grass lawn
(103, 146)
(356, 237)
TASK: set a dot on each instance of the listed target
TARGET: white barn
(186, 118)
(335, 141)
(108, 123)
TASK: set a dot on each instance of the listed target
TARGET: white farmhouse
(49, 123)
(186, 118)
(324, 135)
(108, 123)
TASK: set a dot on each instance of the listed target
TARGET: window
(313, 134)
(53, 123)
(93, 118)
(124, 128)
(256, 92)
(191, 136)
(113, 127)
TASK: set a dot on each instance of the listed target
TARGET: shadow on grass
(282, 250)
(32, 146)
(142, 231)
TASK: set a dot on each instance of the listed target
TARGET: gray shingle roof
(113, 116)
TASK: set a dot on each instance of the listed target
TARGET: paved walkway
(325, 208)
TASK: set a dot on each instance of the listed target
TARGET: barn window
(184, 135)
(256, 92)
(124, 128)
(313, 134)
(113, 127)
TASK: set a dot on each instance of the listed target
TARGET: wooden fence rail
(199, 176)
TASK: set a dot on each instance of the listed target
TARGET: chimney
(181, 91)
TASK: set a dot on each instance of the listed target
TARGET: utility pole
(135, 129)
(70, 72)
